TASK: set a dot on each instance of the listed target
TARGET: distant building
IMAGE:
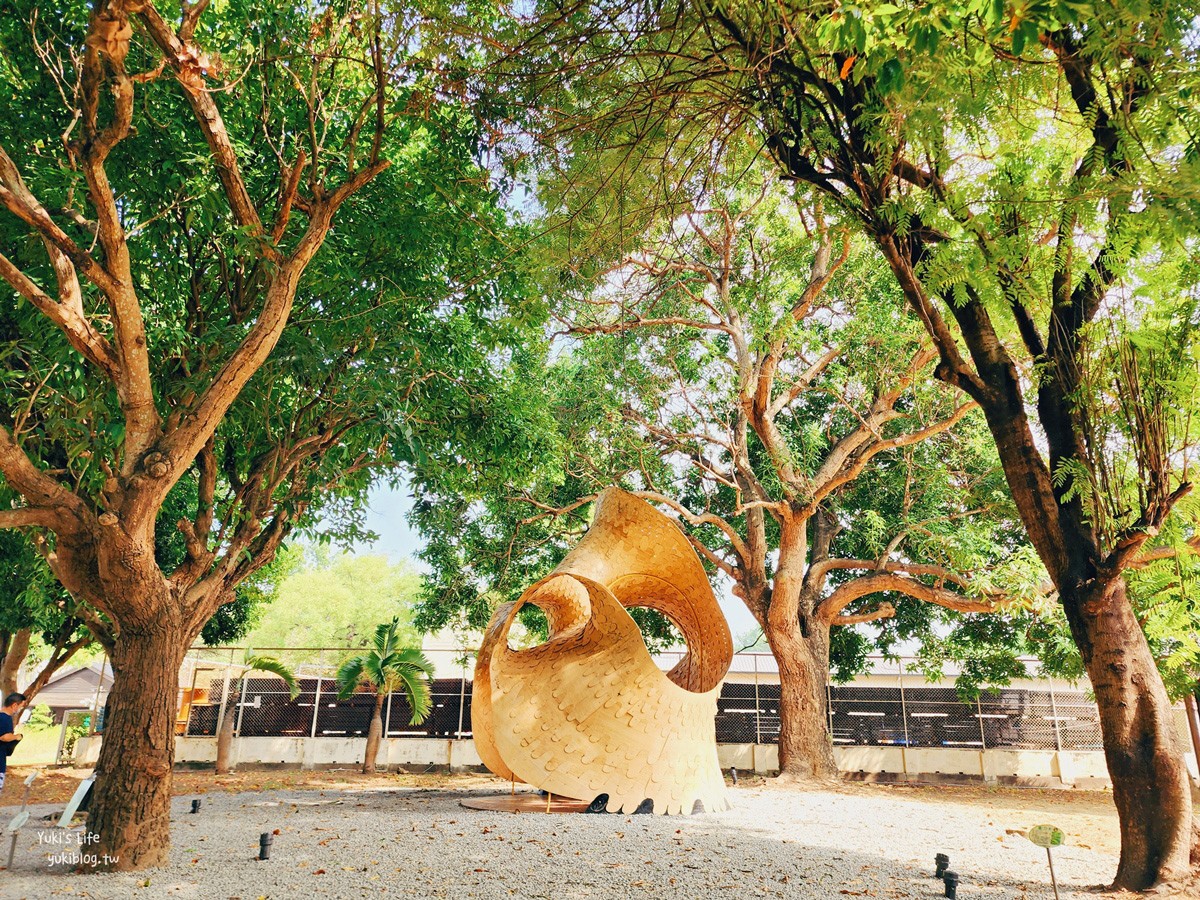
(76, 689)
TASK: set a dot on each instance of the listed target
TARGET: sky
(398, 540)
(388, 517)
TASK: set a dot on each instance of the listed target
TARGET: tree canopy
(1026, 173)
(327, 599)
(254, 262)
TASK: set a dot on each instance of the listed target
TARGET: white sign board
(18, 822)
(73, 806)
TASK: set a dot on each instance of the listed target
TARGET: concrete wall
(311, 753)
(1081, 769)
(1071, 768)
(1085, 769)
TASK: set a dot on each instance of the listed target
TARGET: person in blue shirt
(13, 704)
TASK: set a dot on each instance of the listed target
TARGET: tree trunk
(374, 736)
(1193, 716)
(130, 815)
(225, 736)
(805, 746)
(1145, 759)
(15, 650)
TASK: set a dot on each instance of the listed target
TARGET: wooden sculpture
(588, 713)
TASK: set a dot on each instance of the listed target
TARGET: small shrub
(40, 718)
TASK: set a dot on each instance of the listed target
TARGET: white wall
(309, 753)
(1068, 768)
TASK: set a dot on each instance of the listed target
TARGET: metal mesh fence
(217, 682)
(893, 709)
(916, 714)
(748, 714)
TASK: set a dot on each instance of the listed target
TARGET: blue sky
(388, 517)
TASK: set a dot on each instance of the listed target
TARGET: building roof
(76, 688)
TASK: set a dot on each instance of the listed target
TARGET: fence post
(316, 708)
(1054, 713)
(387, 717)
(224, 710)
(903, 717)
(983, 769)
(195, 655)
(829, 708)
(757, 705)
(979, 714)
(462, 698)
(242, 702)
(96, 698)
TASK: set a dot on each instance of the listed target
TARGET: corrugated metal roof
(76, 688)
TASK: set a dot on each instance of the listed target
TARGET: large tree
(247, 248)
(328, 599)
(771, 401)
(1026, 172)
(1023, 256)
(719, 372)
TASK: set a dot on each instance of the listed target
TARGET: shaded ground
(344, 835)
(1088, 817)
(56, 785)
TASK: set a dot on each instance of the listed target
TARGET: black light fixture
(264, 845)
(950, 880)
(941, 863)
(195, 806)
(733, 774)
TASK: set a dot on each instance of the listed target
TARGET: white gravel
(408, 842)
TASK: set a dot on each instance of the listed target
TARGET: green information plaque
(1046, 836)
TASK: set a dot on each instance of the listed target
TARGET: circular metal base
(525, 801)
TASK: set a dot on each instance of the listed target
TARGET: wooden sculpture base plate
(524, 801)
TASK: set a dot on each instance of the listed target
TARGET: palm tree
(386, 668)
(252, 663)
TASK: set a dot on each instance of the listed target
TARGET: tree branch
(850, 464)
(17, 198)
(28, 517)
(1129, 544)
(844, 595)
(1191, 545)
(890, 566)
(67, 313)
(187, 62)
(39, 489)
(880, 611)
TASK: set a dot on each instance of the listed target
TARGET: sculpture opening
(587, 712)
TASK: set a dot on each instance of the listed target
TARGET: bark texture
(374, 736)
(1145, 760)
(805, 745)
(14, 648)
(131, 808)
(225, 737)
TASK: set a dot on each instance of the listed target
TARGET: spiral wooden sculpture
(588, 713)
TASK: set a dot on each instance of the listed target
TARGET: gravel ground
(410, 842)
